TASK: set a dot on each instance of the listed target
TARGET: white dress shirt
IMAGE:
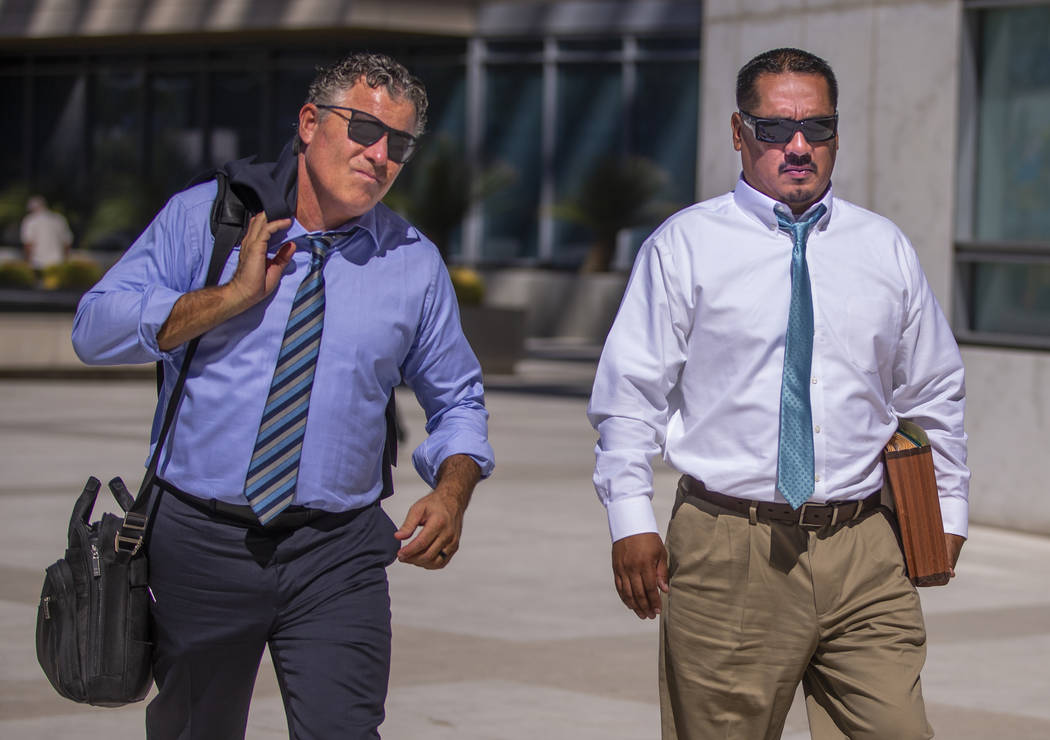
(692, 366)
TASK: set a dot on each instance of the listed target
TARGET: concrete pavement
(522, 637)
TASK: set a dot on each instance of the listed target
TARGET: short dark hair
(781, 61)
(377, 70)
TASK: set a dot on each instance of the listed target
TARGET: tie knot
(321, 244)
(800, 229)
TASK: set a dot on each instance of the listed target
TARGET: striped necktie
(795, 454)
(274, 468)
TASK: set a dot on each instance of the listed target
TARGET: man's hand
(440, 514)
(954, 543)
(256, 275)
(255, 278)
(639, 564)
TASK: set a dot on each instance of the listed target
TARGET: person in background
(46, 238)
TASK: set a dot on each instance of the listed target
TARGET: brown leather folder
(909, 470)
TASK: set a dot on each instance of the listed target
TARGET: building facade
(945, 128)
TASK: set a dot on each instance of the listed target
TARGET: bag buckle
(123, 543)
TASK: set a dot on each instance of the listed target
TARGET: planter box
(560, 305)
(497, 336)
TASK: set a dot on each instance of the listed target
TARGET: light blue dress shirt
(391, 315)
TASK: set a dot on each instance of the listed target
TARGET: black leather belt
(809, 515)
(292, 517)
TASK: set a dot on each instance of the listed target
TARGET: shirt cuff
(629, 516)
(156, 307)
(954, 515)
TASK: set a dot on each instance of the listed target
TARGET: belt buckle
(802, 516)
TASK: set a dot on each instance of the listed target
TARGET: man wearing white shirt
(749, 318)
(46, 238)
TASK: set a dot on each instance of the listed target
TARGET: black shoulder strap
(229, 222)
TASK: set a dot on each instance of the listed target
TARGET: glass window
(1013, 176)
(117, 108)
(176, 137)
(1005, 269)
(12, 127)
(589, 130)
(1012, 298)
(290, 95)
(236, 112)
(58, 125)
(663, 128)
(512, 139)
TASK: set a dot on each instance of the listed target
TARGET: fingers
(256, 276)
(640, 573)
(954, 544)
(434, 545)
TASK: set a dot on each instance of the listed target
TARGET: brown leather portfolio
(909, 470)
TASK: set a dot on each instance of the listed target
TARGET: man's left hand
(954, 543)
(440, 514)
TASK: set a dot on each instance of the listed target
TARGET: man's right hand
(255, 278)
(639, 565)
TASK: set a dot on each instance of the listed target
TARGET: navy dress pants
(316, 594)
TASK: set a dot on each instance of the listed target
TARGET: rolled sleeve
(445, 375)
(117, 321)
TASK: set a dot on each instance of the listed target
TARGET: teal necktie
(795, 453)
(274, 468)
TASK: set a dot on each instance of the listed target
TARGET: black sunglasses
(782, 130)
(365, 129)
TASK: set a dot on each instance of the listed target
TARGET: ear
(309, 120)
(736, 124)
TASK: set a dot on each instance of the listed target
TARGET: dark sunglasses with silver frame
(365, 129)
(782, 130)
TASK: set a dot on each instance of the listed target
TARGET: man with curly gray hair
(267, 530)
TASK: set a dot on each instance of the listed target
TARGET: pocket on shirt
(872, 331)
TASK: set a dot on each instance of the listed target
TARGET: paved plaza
(522, 637)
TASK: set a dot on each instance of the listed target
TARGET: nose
(377, 152)
(798, 145)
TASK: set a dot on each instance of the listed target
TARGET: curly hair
(781, 61)
(376, 70)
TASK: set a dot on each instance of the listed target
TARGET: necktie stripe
(300, 334)
(275, 489)
(273, 483)
(273, 472)
(275, 508)
(306, 311)
(286, 396)
(287, 439)
(287, 370)
(289, 414)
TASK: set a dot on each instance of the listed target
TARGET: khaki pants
(756, 608)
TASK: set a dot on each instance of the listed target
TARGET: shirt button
(814, 380)
(817, 477)
(817, 429)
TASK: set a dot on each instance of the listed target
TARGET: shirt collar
(365, 223)
(762, 208)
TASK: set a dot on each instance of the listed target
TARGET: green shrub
(468, 284)
(17, 274)
(75, 274)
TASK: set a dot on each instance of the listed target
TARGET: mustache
(794, 161)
